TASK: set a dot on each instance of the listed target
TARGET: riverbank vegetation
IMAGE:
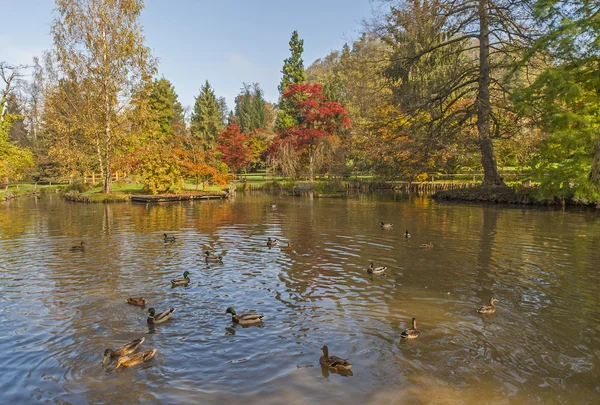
(430, 88)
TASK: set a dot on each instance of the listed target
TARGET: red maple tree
(234, 148)
(317, 119)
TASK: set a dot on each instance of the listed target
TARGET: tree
(318, 119)
(250, 108)
(293, 73)
(489, 33)
(165, 110)
(234, 148)
(208, 116)
(99, 46)
(564, 99)
(14, 160)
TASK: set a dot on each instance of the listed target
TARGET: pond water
(59, 310)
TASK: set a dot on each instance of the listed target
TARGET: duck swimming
(155, 318)
(376, 270)
(271, 242)
(488, 309)
(132, 360)
(386, 226)
(79, 247)
(406, 234)
(244, 319)
(426, 245)
(333, 362)
(169, 239)
(181, 281)
(124, 350)
(214, 259)
(411, 333)
(140, 302)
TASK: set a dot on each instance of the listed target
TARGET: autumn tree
(208, 116)
(293, 73)
(14, 160)
(234, 148)
(489, 33)
(100, 46)
(318, 119)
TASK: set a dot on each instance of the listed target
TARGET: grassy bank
(503, 195)
(17, 190)
(122, 192)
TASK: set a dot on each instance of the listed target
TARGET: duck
(488, 309)
(288, 247)
(426, 245)
(214, 259)
(79, 247)
(169, 239)
(181, 281)
(411, 333)
(244, 319)
(386, 226)
(124, 350)
(273, 205)
(161, 317)
(139, 358)
(406, 234)
(140, 302)
(376, 270)
(271, 242)
(333, 362)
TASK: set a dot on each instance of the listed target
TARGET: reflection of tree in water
(485, 267)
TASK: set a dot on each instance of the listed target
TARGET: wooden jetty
(179, 197)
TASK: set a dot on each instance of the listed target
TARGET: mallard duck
(406, 234)
(181, 281)
(169, 239)
(376, 270)
(489, 309)
(333, 362)
(139, 358)
(140, 302)
(214, 259)
(273, 205)
(271, 242)
(244, 319)
(161, 317)
(426, 245)
(123, 350)
(386, 226)
(79, 247)
(411, 333)
(288, 247)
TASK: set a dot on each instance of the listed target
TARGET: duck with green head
(213, 259)
(244, 319)
(124, 350)
(161, 317)
(181, 281)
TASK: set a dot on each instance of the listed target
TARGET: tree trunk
(488, 161)
(311, 164)
(595, 170)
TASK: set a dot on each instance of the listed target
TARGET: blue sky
(224, 42)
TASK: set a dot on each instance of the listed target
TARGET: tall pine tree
(250, 108)
(293, 73)
(207, 117)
